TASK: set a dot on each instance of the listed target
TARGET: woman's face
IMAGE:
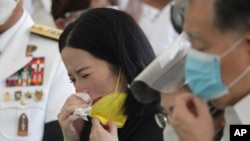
(88, 73)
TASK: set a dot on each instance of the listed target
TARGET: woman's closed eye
(85, 76)
(73, 80)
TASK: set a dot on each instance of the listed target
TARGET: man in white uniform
(158, 21)
(33, 80)
(158, 26)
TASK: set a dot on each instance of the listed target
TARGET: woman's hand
(191, 118)
(71, 125)
(101, 133)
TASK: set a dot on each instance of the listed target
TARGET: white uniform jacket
(33, 83)
(158, 27)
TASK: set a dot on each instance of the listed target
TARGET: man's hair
(232, 15)
(60, 7)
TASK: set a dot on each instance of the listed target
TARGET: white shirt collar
(151, 13)
(240, 110)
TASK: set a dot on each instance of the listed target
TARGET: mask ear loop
(116, 92)
(117, 86)
(239, 77)
(245, 71)
(118, 81)
(232, 47)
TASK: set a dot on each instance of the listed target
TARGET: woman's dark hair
(115, 37)
(231, 15)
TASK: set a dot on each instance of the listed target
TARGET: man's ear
(247, 37)
(60, 23)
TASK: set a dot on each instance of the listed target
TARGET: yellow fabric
(110, 108)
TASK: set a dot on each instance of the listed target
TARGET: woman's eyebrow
(81, 69)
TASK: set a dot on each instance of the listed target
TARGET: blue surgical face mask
(203, 73)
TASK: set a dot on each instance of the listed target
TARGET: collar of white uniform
(241, 109)
(150, 11)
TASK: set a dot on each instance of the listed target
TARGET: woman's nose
(78, 87)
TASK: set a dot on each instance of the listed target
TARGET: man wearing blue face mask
(215, 69)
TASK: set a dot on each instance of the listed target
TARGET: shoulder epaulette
(46, 31)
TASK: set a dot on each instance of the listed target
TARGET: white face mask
(6, 9)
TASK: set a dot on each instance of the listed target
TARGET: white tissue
(83, 96)
(83, 112)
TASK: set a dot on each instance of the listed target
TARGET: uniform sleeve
(60, 90)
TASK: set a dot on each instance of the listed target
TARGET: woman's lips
(95, 100)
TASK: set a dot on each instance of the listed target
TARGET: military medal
(30, 75)
(30, 49)
(28, 95)
(18, 95)
(6, 97)
(38, 95)
(23, 101)
(23, 125)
